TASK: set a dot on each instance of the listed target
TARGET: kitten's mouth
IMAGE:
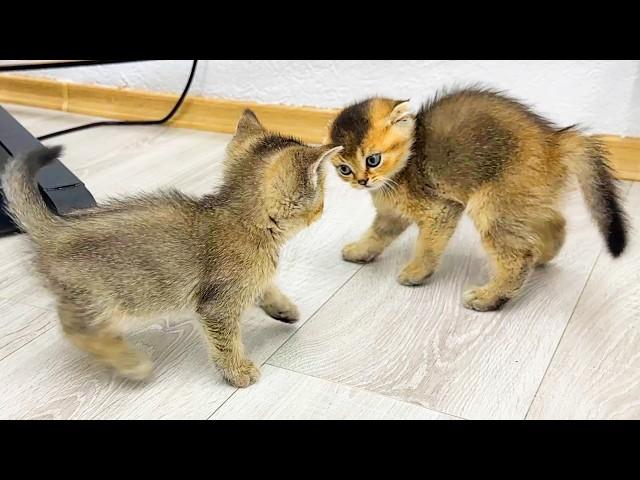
(374, 186)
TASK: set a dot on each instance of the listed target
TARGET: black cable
(73, 63)
(160, 121)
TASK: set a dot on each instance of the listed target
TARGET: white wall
(603, 95)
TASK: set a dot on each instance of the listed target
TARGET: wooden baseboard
(625, 155)
(212, 114)
(217, 115)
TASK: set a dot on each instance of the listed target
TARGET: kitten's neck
(250, 216)
(417, 145)
(273, 229)
(416, 151)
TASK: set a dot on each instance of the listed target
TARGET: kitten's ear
(402, 114)
(249, 123)
(325, 152)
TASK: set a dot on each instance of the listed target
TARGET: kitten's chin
(370, 188)
(376, 186)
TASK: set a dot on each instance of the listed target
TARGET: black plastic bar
(61, 190)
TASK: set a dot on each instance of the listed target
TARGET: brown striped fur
(128, 260)
(480, 151)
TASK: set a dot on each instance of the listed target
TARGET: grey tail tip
(45, 155)
(51, 153)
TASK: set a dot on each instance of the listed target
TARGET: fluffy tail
(24, 202)
(589, 160)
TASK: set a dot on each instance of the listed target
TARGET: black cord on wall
(63, 64)
(49, 65)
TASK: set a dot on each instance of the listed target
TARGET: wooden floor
(366, 347)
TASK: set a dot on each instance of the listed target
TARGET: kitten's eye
(344, 170)
(374, 160)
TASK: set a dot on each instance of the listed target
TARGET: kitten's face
(289, 173)
(377, 136)
(295, 195)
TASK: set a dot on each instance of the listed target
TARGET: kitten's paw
(482, 299)
(284, 310)
(242, 375)
(359, 252)
(414, 275)
(134, 365)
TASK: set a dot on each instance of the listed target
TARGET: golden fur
(115, 265)
(477, 150)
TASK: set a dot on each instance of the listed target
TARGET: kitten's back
(465, 106)
(470, 135)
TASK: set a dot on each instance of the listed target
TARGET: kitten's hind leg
(552, 234)
(221, 323)
(93, 334)
(278, 306)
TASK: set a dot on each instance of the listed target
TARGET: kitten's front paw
(482, 299)
(414, 274)
(284, 310)
(359, 252)
(242, 375)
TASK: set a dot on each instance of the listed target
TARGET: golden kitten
(478, 150)
(128, 259)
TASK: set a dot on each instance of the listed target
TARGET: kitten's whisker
(386, 191)
(391, 180)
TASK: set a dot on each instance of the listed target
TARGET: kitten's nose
(363, 181)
